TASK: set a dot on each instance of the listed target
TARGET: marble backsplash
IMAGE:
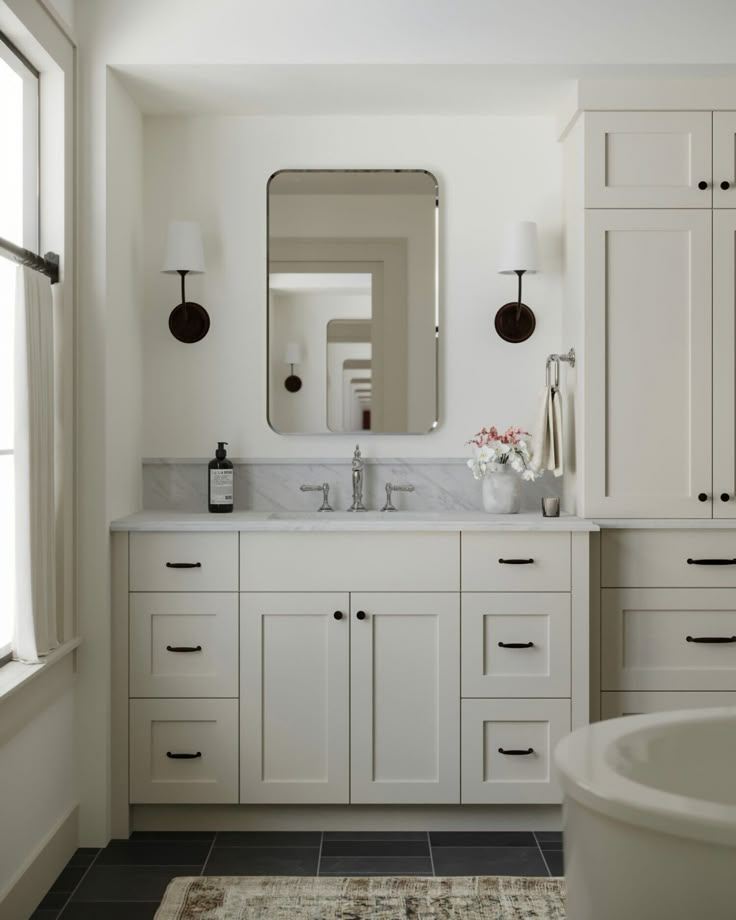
(273, 485)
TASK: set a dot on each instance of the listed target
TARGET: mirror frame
(320, 434)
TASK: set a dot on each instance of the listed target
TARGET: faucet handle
(324, 489)
(390, 487)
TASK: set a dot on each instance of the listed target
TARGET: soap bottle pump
(220, 486)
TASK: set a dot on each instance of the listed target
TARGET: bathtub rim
(587, 776)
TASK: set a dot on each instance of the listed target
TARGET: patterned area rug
(272, 898)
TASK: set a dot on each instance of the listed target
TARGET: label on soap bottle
(221, 487)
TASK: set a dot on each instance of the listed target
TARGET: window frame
(30, 76)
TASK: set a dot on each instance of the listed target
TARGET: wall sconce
(293, 356)
(189, 322)
(515, 322)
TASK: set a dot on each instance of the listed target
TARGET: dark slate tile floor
(127, 879)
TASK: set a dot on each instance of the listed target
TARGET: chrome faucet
(357, 477)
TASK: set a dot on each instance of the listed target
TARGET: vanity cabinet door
(405, 698)
(647, 448)
(648, 160)
(294, 698)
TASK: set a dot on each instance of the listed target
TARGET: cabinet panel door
(648, 395)
(507, 750)
(184, 645)
(635, 702)
(663, 639)
(724, 159)
(294, 698)
(648, 159)
(184, 752)
(724, 363)
(516, 645)
(405, 699)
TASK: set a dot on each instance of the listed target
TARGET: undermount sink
(358, 516)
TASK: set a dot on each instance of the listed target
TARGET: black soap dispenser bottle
(220, 486)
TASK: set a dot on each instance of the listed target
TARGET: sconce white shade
(184, 248)
(520, 248)
(293, 353)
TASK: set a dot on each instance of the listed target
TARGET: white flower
(529, 475)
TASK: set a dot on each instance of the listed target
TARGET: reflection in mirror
(352, 293)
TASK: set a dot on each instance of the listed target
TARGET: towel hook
(569, 358)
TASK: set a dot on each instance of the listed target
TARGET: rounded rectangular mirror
(353, 302)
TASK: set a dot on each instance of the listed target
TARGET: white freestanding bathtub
(650, 817)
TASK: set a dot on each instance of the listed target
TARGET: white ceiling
(351, 56)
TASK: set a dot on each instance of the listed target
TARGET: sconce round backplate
(514, 325)
(293, 383)
(189, 322)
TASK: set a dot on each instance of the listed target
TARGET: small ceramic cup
(550, 507)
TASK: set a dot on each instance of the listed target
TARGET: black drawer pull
(712, 640)
(183, 756)
(183, 648)
(361, 614)
(515, 561)
(711, 561)
(516, 753)
(515, 644)
(183, 565)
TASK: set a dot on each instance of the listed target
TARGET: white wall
(109, 386)
(38, 786)
(215, 169)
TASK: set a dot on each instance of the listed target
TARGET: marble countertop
(268, 521)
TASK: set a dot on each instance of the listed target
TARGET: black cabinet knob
(725, 497)
(725, 185)
(361, 614)
(703, 497)
(702, 185)
(337, 614)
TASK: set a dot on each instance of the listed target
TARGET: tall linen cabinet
(650, 267)
(650, 300)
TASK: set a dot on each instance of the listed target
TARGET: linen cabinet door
(405, 698)
(724, 361)
(724, 159)
(647, 446)
(294, 698)
(668, 639)
(648, 159)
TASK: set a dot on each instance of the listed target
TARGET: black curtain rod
(47, 264)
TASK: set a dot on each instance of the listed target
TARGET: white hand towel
(540, 443)
(547, 443)
(556, 432)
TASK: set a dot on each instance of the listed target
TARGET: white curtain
(35, 519)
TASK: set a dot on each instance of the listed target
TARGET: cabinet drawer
(516, 562)
(659, 558)
(205, 729)
(635, 702)
(349, 562)
(492, 726)
(647, 159)
(184, 645)
(516, 645)
(647, 639)
(184, 562)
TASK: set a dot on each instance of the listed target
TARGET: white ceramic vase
(502, 491)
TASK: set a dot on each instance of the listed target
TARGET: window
(19, 225)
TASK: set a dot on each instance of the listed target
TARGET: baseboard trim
(346, 817)
(30, 883)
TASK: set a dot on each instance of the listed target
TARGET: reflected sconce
(515, 322)
(189, 322)
(293, 356)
